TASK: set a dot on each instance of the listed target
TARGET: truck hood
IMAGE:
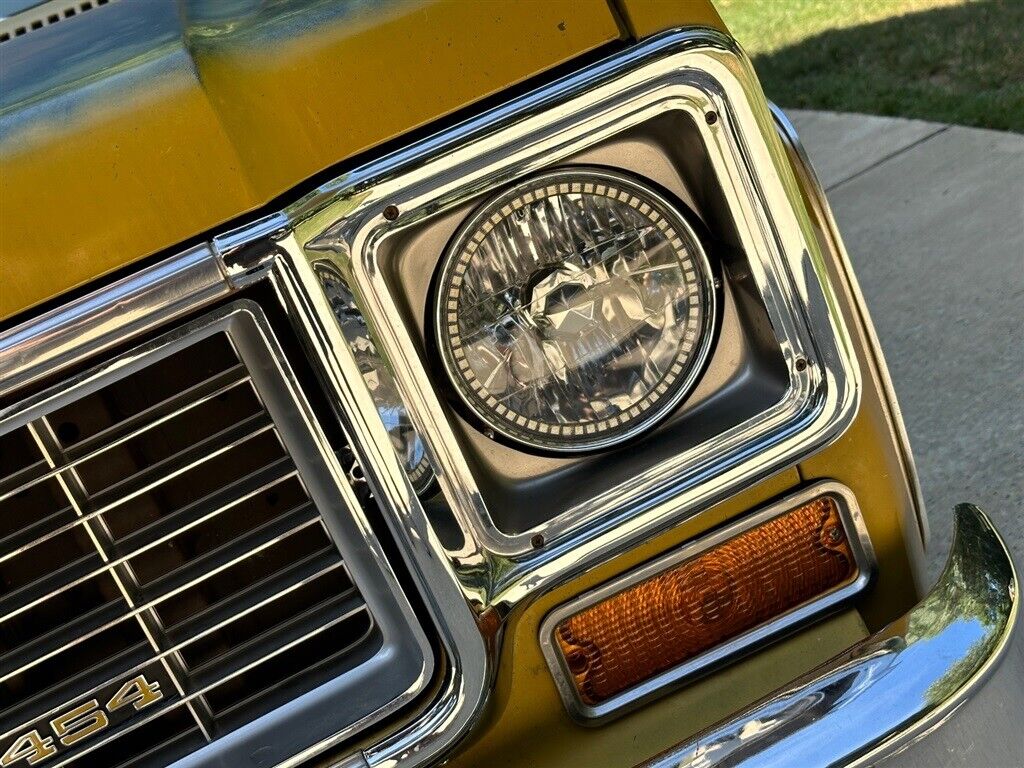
(134, 126)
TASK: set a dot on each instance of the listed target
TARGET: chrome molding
(109, 316)
(468, 589)
(378, 377)
(890, 689)
(860, 545)
(468, 648)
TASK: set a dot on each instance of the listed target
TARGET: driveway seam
(883, 160)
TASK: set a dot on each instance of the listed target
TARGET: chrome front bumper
(894, 687)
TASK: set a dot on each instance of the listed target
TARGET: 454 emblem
(84, 721)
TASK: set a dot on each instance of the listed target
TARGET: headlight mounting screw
(711, 117)
(391, 212)
(802, 364)
(537, 541)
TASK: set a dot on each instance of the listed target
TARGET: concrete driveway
(933, 219)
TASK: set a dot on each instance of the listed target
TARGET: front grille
(166, 572)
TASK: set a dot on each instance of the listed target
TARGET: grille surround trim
(403, 662)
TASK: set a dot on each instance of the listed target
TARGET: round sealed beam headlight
(574, 310)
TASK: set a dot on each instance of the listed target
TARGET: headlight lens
(574, 310)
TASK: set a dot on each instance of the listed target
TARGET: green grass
(954, 61)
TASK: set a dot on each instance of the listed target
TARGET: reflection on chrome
(377, 376)
(574, 309)
(890, 688)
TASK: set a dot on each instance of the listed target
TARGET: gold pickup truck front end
(478, 384)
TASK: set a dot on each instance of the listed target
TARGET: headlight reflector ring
(575, 310)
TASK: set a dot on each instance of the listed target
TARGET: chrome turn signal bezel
(859, 543)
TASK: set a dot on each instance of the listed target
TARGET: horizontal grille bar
(206, 628)
(127, 430)
(350, 604)
(307, 513)
(247, 487)
(168, 469)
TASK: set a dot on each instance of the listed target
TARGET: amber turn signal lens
(721, 593)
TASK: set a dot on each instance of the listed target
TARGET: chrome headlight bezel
(373, 218)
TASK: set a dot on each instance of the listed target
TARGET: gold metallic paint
(234, 117)
(867, 460)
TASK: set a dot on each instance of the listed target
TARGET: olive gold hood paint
(141, 123)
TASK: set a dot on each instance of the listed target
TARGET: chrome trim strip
(378, 378)
(110, 315)
(752, 640)
(816, 195)
(469, 647)
(890, 689)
